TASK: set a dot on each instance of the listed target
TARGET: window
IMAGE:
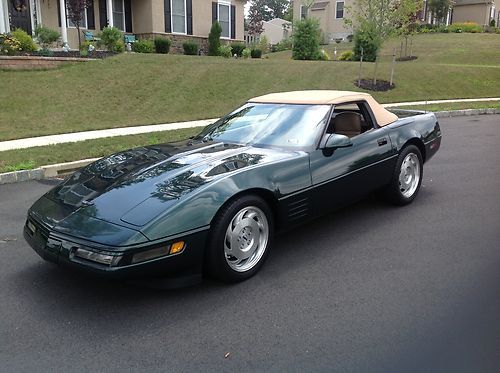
(119, 15)
(179, 16)
(303, 12)
(339, 9)
(83, 22)
(224, 12)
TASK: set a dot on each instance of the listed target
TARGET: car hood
(133, 187)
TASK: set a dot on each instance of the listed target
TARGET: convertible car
(212, 203)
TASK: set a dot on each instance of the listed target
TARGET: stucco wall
(330, 26)
(202, 17)
(478, 13)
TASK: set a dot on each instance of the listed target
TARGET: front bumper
(57, 248)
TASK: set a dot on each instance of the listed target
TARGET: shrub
(285, 44)
(46, 36)
(9, 45)
(143, 46)
(190, 48)
(45, 52)
(350, 38)
(256, 53)
(323, 56)
(246, 53)
(162, 45)
(492, 23)
(306, 40)
(87, 46)
(366, 39)
(214, 39)
(26, 43)
(465, 27)
(225, 51)
(346, 56)
(237, 49)
(110, 38)
(264, 45)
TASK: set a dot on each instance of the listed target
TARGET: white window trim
(343, 9)
(172, 20)
(82, 27)
(124, 22)
(301, 7)
(226, 3)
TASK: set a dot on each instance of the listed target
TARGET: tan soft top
(325, 97)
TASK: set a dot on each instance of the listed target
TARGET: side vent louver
(298, 209)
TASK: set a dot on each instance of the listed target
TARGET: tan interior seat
(346, 123)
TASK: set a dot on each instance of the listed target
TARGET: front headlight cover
(102, 258)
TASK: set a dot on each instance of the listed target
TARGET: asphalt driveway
(366, 289)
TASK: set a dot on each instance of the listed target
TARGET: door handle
(382, 141)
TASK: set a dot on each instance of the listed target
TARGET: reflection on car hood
(134, 186)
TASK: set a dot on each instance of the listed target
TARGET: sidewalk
(89, 135)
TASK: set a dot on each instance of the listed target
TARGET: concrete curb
(62, 169)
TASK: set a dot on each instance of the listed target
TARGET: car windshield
(282, 125)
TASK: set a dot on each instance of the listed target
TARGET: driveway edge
(62, 169)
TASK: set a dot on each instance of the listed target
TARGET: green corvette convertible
(212, 203)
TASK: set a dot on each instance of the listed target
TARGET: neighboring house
(180, 20)
(276, 30)
(477, 11)
(330, 14)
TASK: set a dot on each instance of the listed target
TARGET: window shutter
(58, 13)
(168, 25)
(103, 14)
(233, 22)
(128, 15)
(90, 16)
(189, 15)
(214, 12)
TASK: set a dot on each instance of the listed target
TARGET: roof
(327, 97)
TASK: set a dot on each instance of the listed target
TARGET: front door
(19, 15)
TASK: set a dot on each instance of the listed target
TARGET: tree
(269, 9)
(76, 14)
(439, 9)
(255, 20)
(214, 39)
(382, 17)
(306, 38)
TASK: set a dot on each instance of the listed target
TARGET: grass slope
(135, 89)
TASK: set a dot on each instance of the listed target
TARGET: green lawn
(23, 159)
(135, 89)
(455, 106)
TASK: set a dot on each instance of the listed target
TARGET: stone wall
(35, 62)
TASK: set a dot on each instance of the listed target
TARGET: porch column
(3, 26)
(64, 31)
(109, 8)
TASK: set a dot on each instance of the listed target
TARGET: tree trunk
(375, 73)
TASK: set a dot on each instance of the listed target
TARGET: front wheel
(241, 234)
(407, 177)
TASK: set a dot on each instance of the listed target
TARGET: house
(276, 30)
(330, 13)
(477, 11)
(180, 20)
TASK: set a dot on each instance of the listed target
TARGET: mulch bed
(406, 58)
(380, 86)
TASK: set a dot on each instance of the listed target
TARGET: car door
(349, 173)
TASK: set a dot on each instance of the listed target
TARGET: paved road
(370, 288)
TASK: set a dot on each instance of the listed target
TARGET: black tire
(229, 268)
(395, 192)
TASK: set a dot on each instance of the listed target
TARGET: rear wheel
(407, 177)
(241, 234)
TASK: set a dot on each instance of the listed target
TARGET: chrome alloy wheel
(246, 239)
(409, 175)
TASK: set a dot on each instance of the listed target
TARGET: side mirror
(335, 141)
